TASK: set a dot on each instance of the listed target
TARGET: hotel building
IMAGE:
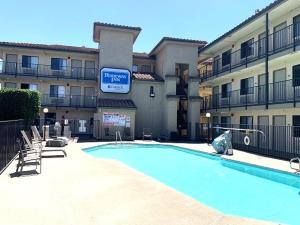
(254, 74)
(101, 90)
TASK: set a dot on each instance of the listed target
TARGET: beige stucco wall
(149, 110)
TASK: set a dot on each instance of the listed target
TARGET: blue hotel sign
(115, 80)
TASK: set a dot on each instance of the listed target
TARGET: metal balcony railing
(288, 37)
(73, 101)
(287, 91)
(48, 71)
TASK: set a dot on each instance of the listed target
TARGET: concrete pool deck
(82, 190)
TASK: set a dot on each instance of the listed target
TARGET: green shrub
(19, 104)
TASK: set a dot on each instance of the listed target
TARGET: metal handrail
(293, 161)
(286, 38)
(118, 135)
(279, 92)
(42, 70)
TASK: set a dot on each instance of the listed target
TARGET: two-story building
(101, 90)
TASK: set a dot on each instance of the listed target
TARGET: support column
(267, 61)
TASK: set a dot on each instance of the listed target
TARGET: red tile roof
(116, 103)
(146, 77)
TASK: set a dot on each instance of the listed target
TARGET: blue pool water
(230, 187)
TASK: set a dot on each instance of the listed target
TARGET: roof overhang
(230, 37)
(169, 40)
(114, 27)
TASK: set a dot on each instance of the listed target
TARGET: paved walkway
(82, 190)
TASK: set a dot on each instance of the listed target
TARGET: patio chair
(37, 136)
(38, 145)
(27, 158)
(147, 133)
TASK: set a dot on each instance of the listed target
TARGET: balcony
(45, 71)
(73, 101)
(284, 39)
(283, 92)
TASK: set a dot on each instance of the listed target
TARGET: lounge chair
(147, 134)
(37, 136)
(37, 145)
(27, 158)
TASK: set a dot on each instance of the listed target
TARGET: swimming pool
(230, 187)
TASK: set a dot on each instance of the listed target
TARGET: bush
(19, 104)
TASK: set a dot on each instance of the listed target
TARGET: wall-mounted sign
(115, 80)
(115, 119)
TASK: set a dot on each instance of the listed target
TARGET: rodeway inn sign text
(115, 80)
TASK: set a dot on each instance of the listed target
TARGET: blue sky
(71, 22)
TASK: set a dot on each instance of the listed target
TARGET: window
(10, 85)
(226, 58)
(146, 69)
(135, 68)
(30, 61)
(57, 91)
(58, 64)
(296, 75)
(225, 121)
(33, 87)
(226, 90)
(215, 120)
(296, 126)
(296, 22)
(246, 122)
(1, 65)
(247, 48)
(216, 64)
(247, 86)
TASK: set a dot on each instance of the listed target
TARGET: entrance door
(263, 125)
(75, 96)
(296, 22)
(280, 36)
(279, 134)
(261, 44)
(89, 97)
(11, 64)
(76, 67)
(89, 70)
(215, 97)
(296, 80)
(279, 86)
(261, 89)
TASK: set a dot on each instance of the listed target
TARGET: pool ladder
(295, 160)
(118, 136)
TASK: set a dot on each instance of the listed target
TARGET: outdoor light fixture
(152, 94)
(208, 115)
(45, 110)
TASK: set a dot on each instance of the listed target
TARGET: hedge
(19, 104)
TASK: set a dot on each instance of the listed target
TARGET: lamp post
(208, 115)
(45, 110)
